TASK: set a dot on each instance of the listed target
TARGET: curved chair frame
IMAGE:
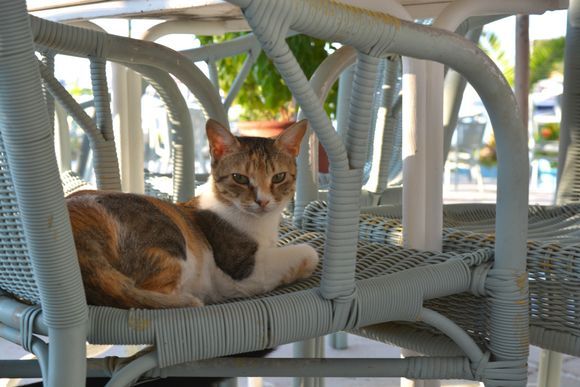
(341, 301)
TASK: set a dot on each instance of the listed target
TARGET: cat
(137, 251)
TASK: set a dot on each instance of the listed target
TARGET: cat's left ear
(221, 141)
(291, 137)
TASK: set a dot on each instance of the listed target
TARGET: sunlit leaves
(264, 94)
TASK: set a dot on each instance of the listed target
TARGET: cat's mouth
(257, 210)
(260, 210)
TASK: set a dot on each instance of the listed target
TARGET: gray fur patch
(144, 225)
(233, 251)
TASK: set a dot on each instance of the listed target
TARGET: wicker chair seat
(290, 313)
(354, 289)
(553, 266)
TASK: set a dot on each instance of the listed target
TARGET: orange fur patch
(169, 272)
(194, 239)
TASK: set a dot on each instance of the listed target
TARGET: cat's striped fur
(140, 252)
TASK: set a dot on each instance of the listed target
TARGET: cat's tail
(97, 236)
(113, 288)
(148, 299)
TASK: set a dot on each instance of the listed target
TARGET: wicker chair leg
(338, 340)
(550, 368)
(67, 357)
(304, 349)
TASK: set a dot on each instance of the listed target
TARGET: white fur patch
(273, 265)
(196, 276)
(263, 228)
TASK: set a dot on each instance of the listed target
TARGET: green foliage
(547, 56)
(491, 45)
(264, 95)
(488, 154)
(77, 91)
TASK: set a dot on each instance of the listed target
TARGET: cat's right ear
(221, 140)
(290, 138)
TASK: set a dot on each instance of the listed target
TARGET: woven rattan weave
(553, 265)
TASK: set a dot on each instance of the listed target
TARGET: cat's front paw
(189, 301)
(306, 265)
(309, 262)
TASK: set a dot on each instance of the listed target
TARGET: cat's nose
(262, 202)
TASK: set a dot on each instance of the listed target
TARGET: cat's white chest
(263, 229)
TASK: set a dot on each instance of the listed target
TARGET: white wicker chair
(358, 285)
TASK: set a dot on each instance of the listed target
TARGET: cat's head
(257, 175)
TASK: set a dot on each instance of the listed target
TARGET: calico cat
(140, 252)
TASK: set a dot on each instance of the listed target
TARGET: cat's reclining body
(141, 252)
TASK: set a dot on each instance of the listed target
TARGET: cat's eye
(279, 177)
(240, 179)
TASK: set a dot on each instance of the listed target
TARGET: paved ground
(359, 347)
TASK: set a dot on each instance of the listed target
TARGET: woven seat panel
(71, 182)
(16, 274)
(427, 340)
(296, 308)
(553, 266)
(159, 186)
(373, 260)
(546, 223)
